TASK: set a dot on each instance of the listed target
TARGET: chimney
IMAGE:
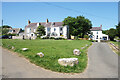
(47, 21)
(29, 22)
(38, 24)
(101, 26)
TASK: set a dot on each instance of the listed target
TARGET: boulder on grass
(76, 52)
(40, 54)
(82, 47)
(86, 45)
(13, 47)
(68, 61)
(24, 49)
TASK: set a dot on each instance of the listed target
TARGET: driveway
(103, 63)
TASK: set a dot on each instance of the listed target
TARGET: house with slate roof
(14, 31)
(53, 29)
(97, 34)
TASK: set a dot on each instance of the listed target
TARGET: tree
(105, 32)
(112, 33)
(40, 31)
(78, 26)
(5, 31)
(6, 26)
(118, 29)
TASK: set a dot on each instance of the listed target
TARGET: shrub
(51, 38)
(45, 38)
(76, 37)
(59, 38)
(86, 36)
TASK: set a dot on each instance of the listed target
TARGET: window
(61, 34)
(97, 37)
(54, 29)
(61, 29)
(48, 29)
(97, 32)
(28, 30)
(10, 31)
(13, 30)
(34, 30)
(31, 34)
(48, 34)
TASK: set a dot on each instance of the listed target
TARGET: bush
(60, 38)
(11, 34)
(86, 36)
(76, 37)
(45, 38)
(51, 38)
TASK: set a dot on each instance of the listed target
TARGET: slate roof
(96, 29)
(15, 30)
(49, 24)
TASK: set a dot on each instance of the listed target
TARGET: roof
(96, 29)
(15, 30)
(49, 24)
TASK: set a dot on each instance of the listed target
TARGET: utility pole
(2, 22)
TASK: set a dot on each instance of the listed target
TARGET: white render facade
(52, 29)
(97, 34)
(60, 31)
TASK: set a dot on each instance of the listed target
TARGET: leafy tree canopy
(40, 30)
(78, 26)
(118, 29)
(6, 26)
(112, 33)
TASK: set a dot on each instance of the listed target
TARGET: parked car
(4, 37)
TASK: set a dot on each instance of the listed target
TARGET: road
(102, 63)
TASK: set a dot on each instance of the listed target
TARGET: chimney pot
(47, 21)
(29, 22)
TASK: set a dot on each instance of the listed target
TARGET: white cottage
(97, 34)
(53, 29)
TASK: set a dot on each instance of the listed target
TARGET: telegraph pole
(2, 22)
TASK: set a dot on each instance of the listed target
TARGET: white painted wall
(100, 35)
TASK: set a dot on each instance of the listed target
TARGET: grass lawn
(53, 50)
(116, 44)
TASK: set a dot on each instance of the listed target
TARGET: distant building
(15, 31)
(97, 34)
(53, 29)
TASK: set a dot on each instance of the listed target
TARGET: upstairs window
(34, 30)
(54, 29)
(48, 29)
(28, 30)
(61, 29)
(97, 32)
(10, 31)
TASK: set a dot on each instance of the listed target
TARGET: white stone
(82, 47)
(40, 54)
(12, 47)
(24, 49)
(86, 45)
(68, 61)
(76, 52)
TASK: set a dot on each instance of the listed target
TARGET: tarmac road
(102, 63)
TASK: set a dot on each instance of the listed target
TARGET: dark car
(4, 37)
